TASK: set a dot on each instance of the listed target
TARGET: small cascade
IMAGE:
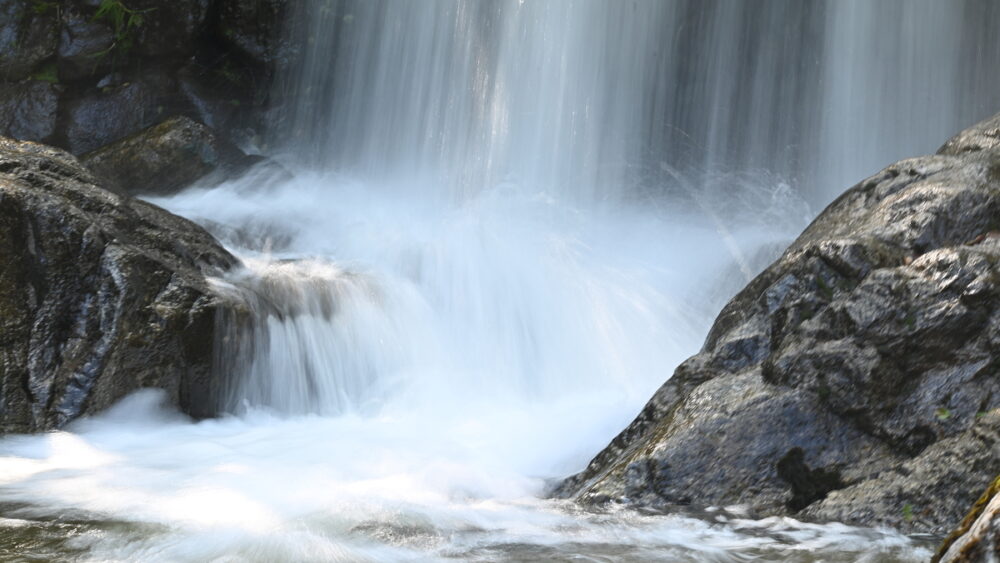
(314, 339)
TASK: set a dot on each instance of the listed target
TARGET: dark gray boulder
(100, 295)
(166, 158)
(29, 34)
(253, 28)
(117, 109)
(29, 110)
(85, 45)
(854, 379)
(169, 28)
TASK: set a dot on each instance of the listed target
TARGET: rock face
(977, 538)
(118, 110)
(86, 73)
(29, 109)
(28, 36)
(855, 379)
(100, 295)
(166, 158)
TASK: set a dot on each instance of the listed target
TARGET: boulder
(100, 295)
(853, 380)
(977, 538)
(29, 110)
(254, 28)
(169, 28)
(166, 158)
(28, 35)
(119, 107)
(85, 45)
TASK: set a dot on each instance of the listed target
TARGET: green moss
(824, 288)
(124, 21)
(41, 7)
(47, 73)
(969, 520)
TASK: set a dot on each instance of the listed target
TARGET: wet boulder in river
(100, 295)
(855, 379)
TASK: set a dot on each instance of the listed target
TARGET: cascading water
(509, 222)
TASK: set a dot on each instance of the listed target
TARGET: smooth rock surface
(853, 380)
(166, 158)
(100, 295)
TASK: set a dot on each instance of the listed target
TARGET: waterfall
(590, 96)
(506, 223)
(471, 149)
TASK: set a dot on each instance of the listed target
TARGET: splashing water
(490, 255)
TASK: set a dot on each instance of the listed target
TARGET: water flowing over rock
(853, 380)
(100, 295)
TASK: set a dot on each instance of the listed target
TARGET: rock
(854, 379)
(166, 158)
(254, 28)
(977, 538)
(118, 109)
(28, 36)
(100, 295)
(169, 27)
(211, 106)
(84, 45)
(29, 110)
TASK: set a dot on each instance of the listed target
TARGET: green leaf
(942, 414)
(908, 512)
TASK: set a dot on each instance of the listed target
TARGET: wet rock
(166, 158)
(977, 538)
(253, 27)
(852, 379)
(29, 110)
(28, 35)
(169, 27)
(100, 295)
(85, 45)
(118, 109)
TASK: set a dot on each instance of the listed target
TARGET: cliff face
(100, 295)
(853, 380)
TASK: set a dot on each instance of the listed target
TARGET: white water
(489, 257)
